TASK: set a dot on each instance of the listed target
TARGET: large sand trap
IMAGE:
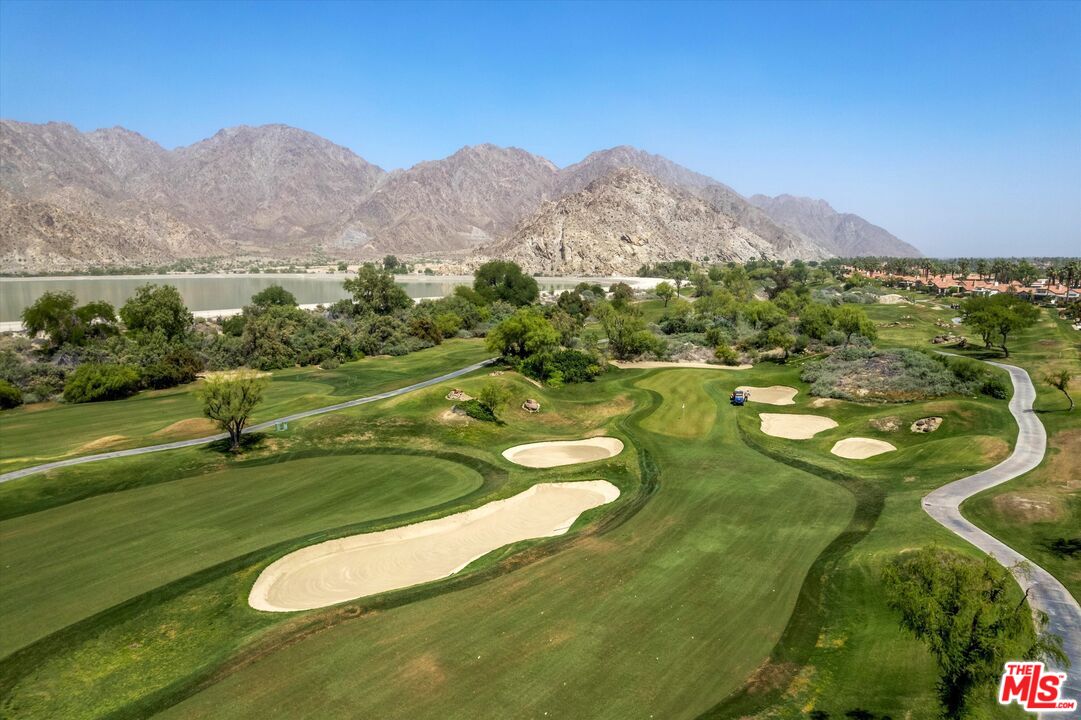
(650, 364)
(772, 395)
(794, 427)
(857, 448)
(349, 568)
(563, 452)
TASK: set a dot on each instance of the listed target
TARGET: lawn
(42, 432)
(736, 575)
(695, 586)
(67, 563)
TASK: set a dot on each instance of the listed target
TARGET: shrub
(726, 355)
(494, 396)
(572, 366)
(178, 366)
(995, 387)
(478, 411)
(857, 373)
(92, 382)
(10, 396)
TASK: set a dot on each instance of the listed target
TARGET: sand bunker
(857, 448)
(354, 567)
(772, 395)
(794, 427)
(563, 452)
(650, 364)
(892, 299)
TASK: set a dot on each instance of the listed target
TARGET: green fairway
(67, 563)
(40, 433)
(686, 409)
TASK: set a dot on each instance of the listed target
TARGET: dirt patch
(857, 448)
(100, 444)
(993, 449)
(1029, 507)
(424, 672)
(1064, 465)
(190, 426)
(771, 676)
(794, 427)
(886, 424)
(453, 417)
(825, 402)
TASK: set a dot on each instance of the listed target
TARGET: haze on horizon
(956, 127)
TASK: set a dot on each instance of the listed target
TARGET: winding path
(15, 474)
(1045, 593)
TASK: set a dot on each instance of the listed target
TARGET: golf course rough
(858, 448)
(795, 427)
(361, 565)
(555, 453)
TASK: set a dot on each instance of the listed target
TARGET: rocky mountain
(474, 196)
(842, 234)
(621, 221)
(112, 196)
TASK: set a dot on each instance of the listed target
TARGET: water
(222, 292)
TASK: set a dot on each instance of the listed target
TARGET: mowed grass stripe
(664, 615)
(686, 409)
(69, 562)
(40, 433)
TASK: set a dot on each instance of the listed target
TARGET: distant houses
(1041, 291)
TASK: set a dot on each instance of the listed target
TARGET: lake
(224, 292)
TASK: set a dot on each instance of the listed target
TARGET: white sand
(563, 452)
(892, 299)
(857, 448)
(650, 364)
(794, 427)
(772, 395)
(349, 568)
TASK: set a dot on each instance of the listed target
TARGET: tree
(504, 280)
(665, 291)
(525, 334)
(627, 333)
(342, 266)
(390, 263)
(1061, 381)
(965, 612)
(56, 315)
(853, 321)
(999, 315)
(575, 304)
(622, 294)
(97, 381)
(157, 308)
(779, 336)
(229, 399)
(376, 292)
(816, 320)
(494, 396)
(273, 295)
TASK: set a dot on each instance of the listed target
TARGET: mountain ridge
(274, 190)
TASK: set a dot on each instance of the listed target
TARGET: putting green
(686, 410)
(67, 563)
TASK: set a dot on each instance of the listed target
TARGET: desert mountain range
(70, 199)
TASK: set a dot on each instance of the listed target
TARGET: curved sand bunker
(349, 568)
(563, 452)
(857, 448)
(651, 364)
(772, 395)
(794, 427)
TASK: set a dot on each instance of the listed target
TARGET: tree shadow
(248, 442)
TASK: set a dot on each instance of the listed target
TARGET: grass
(111, 547)
(43, 432)
(706, 556)
(737, 575)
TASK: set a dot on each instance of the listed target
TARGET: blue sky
(956, 126)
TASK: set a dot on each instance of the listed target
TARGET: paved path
(254, 428)
(1045, 592)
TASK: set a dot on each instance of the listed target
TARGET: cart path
(15, 474)
(1046, 593)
